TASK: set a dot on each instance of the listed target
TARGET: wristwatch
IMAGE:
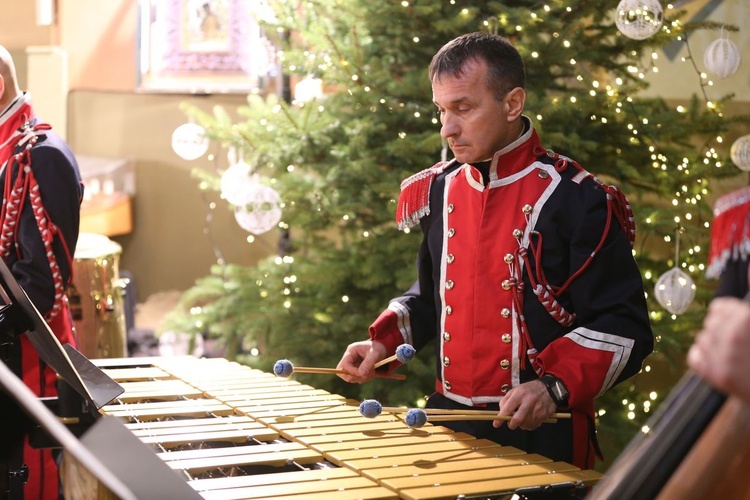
(556, 389)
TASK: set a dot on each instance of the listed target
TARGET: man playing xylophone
(525, 271)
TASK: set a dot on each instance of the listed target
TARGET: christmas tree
(337, 162)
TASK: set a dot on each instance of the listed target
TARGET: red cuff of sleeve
(386, 331)
(584, 377)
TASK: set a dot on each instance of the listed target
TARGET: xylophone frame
(236, 432)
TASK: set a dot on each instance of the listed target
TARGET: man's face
(475, 123)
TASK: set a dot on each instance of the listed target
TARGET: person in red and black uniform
(526, 276)
(39, 222)
(722, 347)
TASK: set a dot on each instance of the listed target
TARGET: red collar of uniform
(12, 121)
(517, 155)
(414, 201)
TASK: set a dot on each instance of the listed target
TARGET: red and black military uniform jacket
(528, 274)
(39, 225)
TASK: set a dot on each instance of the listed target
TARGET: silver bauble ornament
(189, 141)
(722, 57)
(234, 181)
(639, 19)
(675, 290)
(740, 153)
(259, 208)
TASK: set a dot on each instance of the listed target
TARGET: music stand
(133, 471)
(31, 406)
(93, 385)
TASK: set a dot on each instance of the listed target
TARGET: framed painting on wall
(204, 46)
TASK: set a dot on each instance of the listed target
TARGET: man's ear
(2, 87)
(514, 103)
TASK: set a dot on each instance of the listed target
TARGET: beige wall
(100, 37)
(167, 248)
(18, 27)
(678, 79)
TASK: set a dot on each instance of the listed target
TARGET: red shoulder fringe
(414, 201)
(730, 231)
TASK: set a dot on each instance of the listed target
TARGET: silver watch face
(559, 390)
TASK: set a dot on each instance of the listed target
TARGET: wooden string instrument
(697, 445)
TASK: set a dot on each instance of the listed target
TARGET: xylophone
(236, 432)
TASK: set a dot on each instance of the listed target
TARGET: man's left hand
(530, 405)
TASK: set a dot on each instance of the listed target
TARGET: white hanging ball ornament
(675, 291)
(308, 89)
(189, 141)
(740, 153)
(234, 181)
(722, 57)
(259, 210)
(639, 19)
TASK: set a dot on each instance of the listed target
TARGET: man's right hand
(358, 361)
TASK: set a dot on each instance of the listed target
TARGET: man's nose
(449, 128)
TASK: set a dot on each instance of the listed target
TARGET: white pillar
(47, 81)
(45, 12)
